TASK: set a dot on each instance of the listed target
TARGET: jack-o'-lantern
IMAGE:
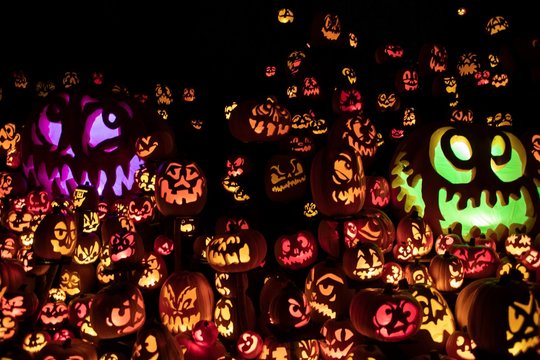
(260, 121)
(468, 64)
(233, 315)
(163, 94)
(185, 298)
(363, 262)
(56, 235)
(347, 101)
(85, 197)
(417, 273)
(465, 165)
(274, 349)
(126, 247)
(499, 80)
(156, 145)
(9, 245)
(461, 346)
(385, 314)
(117, 310)
(305, 349)
(38, 201)
(496, 24)
(85, 135)
(514, 332)
(311, 87)
(270, 71)
(154, 341)
(163, 245)
(238, 165)
(79, 309)
(152, 272)
(249, 344)
(231, 284)
(20, 305)
(297, 250)
(327, 290)
(388, 52)
(236, 252)
(509, 264)
(145, 179)
(77, 278)
(406, 80)
(377, 192)
(325, 28)
(392, 272)
(35, 340)
(141, 209)
(482, 77)
(499, 119)
(444, 241)
(387, 101)
(337, 181)
(285, 16)
(53, 314)
(433, 58)
(339, 337)
(438, 321)
(414, 231)
(358, 132)
(87, 249)
(285, 179)
(447, 272)
(12, 184)
(9, 136)
(181, 188)
(288, 309)
(517, 244)
(478, 260)
(295, 60)
(300, 145)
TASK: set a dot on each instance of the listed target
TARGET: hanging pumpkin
(338, 184)
(385, 314)
(185, 298)
(465, 165)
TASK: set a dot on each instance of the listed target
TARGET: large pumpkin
(81, 135)
(476, 176)
(501, 315)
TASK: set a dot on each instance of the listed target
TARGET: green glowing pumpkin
(469, 177)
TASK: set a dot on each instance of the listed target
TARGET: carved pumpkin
(417, 273)
(68, 349)
(285, 178)
(465, 165)
(154, 341)
(233, 315)
(260, 121)
(461, 346)
(338, 184)
(415, 232)
(447, 272)
(117, 310)
(515, 331)
(478, 260)
(339, 337)
(236, 252)
(181, 188)
(288, 308)
(249, 344)
(56, 235)
(85, 135)
(385, 314)
(363, 262)
(297, 250)
(185, 298)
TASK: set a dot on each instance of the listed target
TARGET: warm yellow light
(462, 11)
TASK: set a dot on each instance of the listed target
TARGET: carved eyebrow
(330, 276)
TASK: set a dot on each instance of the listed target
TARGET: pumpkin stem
(403, 284)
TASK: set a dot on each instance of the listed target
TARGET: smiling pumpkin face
(477, 180)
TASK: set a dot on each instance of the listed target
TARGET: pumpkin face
(181, 188)
(74, 131)
(327, 292)
(377, 192)
(406, 80)
(337, 181)
(478, 260)
(364, 262)
(339, 338)
(285, 178)
(234, 315)
(117, 310)
(296, 251)
(515, 332)
(468, 64)
(433, 58)
(385, 315)
(249, 344)
(387, 101)
(260, 121)
(461, 346)
(416, 233)
(447, 272)
(289, 309)
(56, 236)
(236, 252)
(458, 161)
(154, 341)
(185, 299)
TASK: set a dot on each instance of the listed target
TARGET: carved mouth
(485, 214)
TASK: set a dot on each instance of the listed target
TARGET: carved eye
(508, 160)
(455, 162)
(326, 289)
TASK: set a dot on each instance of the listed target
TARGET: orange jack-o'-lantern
(285, 178)
(117, 310)
(185, 298)
(56, 235)
(181, 188)
(297, 250)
